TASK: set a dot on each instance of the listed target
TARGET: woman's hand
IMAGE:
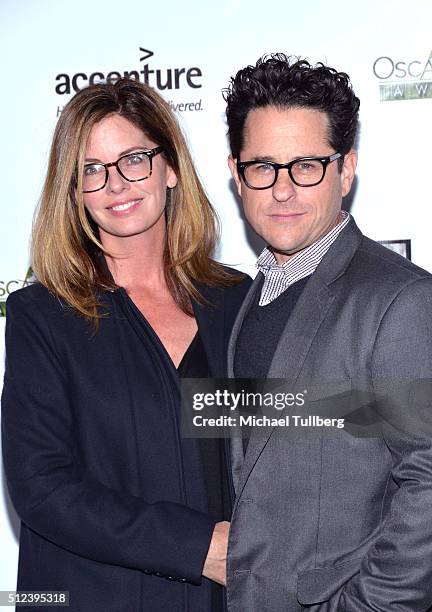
(215, 563)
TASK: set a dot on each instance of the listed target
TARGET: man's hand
(215, 563)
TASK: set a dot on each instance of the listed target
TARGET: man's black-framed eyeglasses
(304, 171)
(133, 167)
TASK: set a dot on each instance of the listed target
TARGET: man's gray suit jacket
(342, 522)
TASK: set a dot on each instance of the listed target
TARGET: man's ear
(232, 163)
(348, 171)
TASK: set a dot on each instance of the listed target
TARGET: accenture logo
(173, 78)
(403, 79)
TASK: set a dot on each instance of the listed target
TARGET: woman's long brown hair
(66, 250)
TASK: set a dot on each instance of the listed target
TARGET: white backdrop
(385, 47)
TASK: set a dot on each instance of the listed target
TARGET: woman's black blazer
(112, 500)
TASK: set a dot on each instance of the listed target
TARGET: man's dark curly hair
(287, 82)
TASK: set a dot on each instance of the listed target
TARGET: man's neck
(282, 256)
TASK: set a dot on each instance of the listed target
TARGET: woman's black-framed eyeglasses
(136, 166)
(304, 171)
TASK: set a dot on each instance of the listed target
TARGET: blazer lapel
(300, 331)
(236, 442)
(288, 359)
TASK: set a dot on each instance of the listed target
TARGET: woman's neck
(137, 261)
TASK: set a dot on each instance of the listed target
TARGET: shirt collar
(277, 277)
(313, 253)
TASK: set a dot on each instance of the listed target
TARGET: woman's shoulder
(33, 298)
(34, 311)
(230, 295)
(241, 283)
(235, 273)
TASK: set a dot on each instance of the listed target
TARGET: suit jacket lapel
(299, 332)
(288, 359)
(236, 442)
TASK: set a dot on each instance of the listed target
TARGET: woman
(116, 508)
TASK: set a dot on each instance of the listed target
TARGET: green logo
(7, 287)
(403, 79)
(406, 91)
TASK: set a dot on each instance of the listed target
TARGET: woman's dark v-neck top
(212, 451)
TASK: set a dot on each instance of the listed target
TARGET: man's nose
(284, 188)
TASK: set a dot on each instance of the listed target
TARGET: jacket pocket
(319, 585)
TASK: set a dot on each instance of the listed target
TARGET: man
(327, 523)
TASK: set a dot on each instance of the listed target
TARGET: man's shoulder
(381, 262)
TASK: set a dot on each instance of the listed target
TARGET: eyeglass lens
(303, 172)
(133, 167)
